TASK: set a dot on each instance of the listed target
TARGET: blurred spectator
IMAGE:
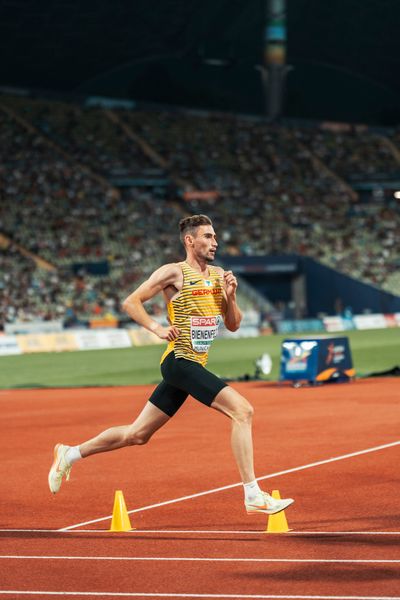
(270, 195)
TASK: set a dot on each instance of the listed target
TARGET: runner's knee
(243, 411)
(234, 405)
(136, 437)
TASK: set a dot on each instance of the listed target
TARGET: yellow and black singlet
(197, 314)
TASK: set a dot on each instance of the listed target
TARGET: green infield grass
(372, 351)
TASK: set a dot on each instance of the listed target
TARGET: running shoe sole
(270, 511)
(55, 468)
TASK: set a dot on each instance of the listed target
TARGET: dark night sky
(344, 54)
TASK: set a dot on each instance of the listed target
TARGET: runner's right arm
(165, 276)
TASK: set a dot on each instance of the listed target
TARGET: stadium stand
(269, 189)
(353, 152)
(85, 134)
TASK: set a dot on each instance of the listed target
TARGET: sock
(251, 491)
(73, 454)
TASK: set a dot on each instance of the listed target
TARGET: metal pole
(274, 71)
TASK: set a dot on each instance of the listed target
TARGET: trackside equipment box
(316, 360)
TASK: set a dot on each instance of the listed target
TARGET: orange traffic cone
(120, 518)
(277, 523)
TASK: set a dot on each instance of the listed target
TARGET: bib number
(202, 332)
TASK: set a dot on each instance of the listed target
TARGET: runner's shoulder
(220, 271)
(168, 273)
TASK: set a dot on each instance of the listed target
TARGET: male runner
(198, 296)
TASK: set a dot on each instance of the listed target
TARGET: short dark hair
(190, 224)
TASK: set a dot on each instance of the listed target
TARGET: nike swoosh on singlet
(194, 282)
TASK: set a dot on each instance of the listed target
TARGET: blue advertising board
(316, 360)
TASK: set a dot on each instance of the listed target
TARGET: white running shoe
(264, 503)
(59, 468)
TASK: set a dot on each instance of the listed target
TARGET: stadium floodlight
(397, 195)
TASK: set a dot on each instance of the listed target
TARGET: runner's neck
(204, 272)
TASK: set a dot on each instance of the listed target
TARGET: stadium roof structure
(344, 54)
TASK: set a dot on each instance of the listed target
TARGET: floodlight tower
(274, 69)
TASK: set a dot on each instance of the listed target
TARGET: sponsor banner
(298, 357)
(317, 359)
(250, 318)
(103, 323)
(391, 321)
(334, 323)
(33, 342)
(337, 323)
(104, 102)
(201, 195)
(299, 325)
(88, 340)
(375, 321)
(243, 332)
(334, 360)
(143, 337)
(9, 345)
(397, 317)
(33, 327)
(116, 338)
(339, 127)
(62, 342)
(102, 339)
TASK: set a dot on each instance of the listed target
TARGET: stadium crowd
(86, 134)
(268, 188)
(275, 197)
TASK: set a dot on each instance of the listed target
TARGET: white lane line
(205, 559)
(233, 485)
(180, 595)
(297, 533)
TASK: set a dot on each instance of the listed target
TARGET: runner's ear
(188, 240)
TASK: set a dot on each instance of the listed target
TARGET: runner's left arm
(231, 312)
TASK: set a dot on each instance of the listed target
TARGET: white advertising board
(26, 327)
(9, 345)
(374, 321)
(334, 323)
(102, 339)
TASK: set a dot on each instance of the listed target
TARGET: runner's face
(205, 242)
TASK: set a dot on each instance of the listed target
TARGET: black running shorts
(181, 378)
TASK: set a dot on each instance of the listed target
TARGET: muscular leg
(162, 405)
(231, 403)
(139, 432)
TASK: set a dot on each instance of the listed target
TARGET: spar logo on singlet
(202, 332)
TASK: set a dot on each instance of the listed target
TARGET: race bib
(202, 332)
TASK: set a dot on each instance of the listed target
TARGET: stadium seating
(268, 188)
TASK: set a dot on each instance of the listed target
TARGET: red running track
(346, 519)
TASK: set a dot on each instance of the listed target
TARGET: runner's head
(198, 236)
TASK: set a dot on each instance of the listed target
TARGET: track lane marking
(297, 533)
(204, 559)
(180, 595)
(233, 485)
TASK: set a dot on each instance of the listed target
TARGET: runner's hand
(230, 282)
(167, 333)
